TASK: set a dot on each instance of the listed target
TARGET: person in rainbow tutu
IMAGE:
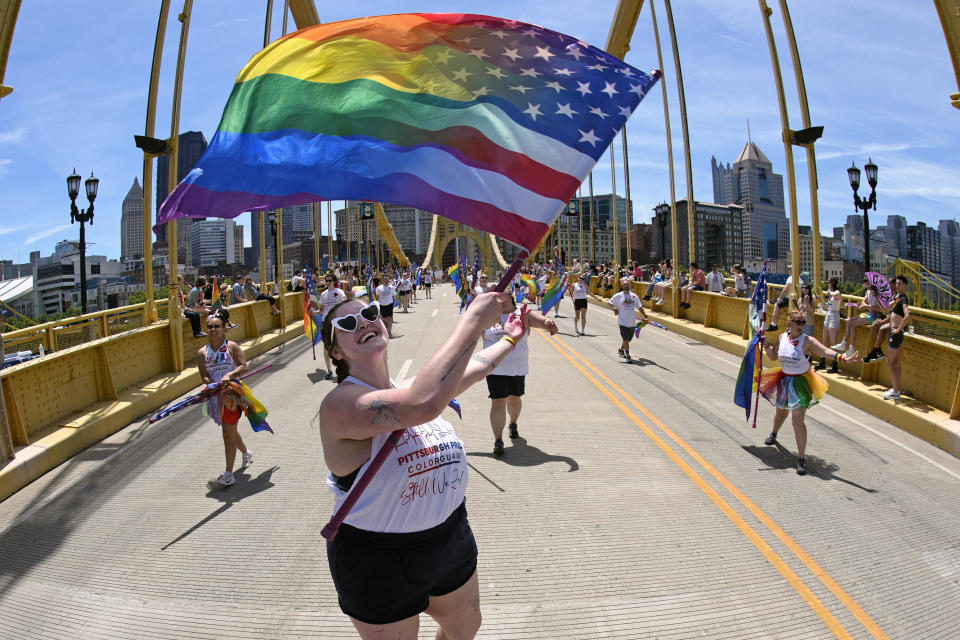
(794, 386)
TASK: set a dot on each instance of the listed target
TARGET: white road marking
(403, 370)
(434, 313)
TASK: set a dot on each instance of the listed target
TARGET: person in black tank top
(899, 319)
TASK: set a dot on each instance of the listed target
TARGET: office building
(751, 184)
(718, 234)
(131, 223)
(950, 251)
(923, 245)
(213, 242)
(190, 147)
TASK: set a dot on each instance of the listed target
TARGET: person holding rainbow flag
(222, 360)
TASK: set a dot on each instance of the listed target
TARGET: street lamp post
(82, 216)
(864, 204)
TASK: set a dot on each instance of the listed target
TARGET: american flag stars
(569, 90)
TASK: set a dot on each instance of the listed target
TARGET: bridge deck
(637, 504)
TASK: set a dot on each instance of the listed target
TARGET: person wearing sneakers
(406, 547)
(698, 282)
(506, 383)
(578, 293)
(831, 321)
(218, 361)
(870, 311)
(330, 297)
(626, 304)
(794, 386)
(427, 281)
(899, 319)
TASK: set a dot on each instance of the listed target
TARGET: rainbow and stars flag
(490, 122)
(453, 273)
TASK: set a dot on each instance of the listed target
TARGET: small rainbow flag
(254, 410)
(554, 293)
(531, 283)
(215, 297)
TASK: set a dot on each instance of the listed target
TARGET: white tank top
(422, 482)
(792, 359)
(579, 291)
(219, 363)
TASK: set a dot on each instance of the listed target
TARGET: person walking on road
(219, 361)
(406, 547)
(794, 386)
(578, 293)
(506, 383)
(330, 297)
(626, 305)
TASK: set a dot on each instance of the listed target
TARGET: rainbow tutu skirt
(792, 392)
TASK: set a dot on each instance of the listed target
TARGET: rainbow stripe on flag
(215, 302)
(254, 410)
(554, 293)
(490, 122)
(531, 283)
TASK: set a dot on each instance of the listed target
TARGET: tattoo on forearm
(456, 362)
(482, 360)
(383, 411)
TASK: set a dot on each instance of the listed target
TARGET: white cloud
(4, 164)
(43, 234)
(4, 229)
(16, 136)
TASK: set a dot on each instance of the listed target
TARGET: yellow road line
(835, 627)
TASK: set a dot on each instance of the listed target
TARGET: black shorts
(626, 333)
(503, 386)
(387, 577)
(580, 304)
(426, 284)
(386, 310)
(404, 292)
(895, 340)
(783, 302)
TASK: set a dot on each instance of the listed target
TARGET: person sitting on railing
(656, 275)
(238, 293)
(715, 280)
(666, 281)
(878, 333)
(739, 288)
(189, 313)
(782, 302)
(697, 283)
(253, 293)
(870, 312)
(224, 310)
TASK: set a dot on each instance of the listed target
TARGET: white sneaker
(891, 394)
(840, 347)
(848, 353)
(247, 459)
(226, 479)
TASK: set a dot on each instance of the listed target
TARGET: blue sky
(878, 79)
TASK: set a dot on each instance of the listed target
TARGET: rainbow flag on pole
(215, 302)
(490, 122)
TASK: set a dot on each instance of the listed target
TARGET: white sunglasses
(351, 321)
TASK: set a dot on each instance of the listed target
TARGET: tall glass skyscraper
(752, 184)
(191, 146)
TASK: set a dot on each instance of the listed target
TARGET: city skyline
(61, 116)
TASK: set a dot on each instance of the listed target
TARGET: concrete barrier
(59, 405)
